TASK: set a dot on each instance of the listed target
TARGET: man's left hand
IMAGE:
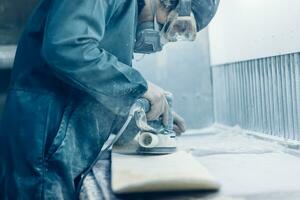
(179, 124)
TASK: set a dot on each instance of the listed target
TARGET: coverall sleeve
(73, 31)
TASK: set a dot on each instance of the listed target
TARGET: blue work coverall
(72, 79)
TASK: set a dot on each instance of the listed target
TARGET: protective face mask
(148, 35)
(180, 26)
(147, 39)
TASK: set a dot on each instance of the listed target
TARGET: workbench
(248, 167)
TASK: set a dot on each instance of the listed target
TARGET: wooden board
(179, 171)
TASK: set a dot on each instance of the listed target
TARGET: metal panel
(261, 95)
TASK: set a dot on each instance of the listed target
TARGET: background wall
(13, 15)
(184, 69)
(251, 29)
(262, 95)
(256, 67)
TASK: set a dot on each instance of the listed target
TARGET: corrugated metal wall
(261, 95)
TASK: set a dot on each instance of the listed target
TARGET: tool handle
(146, 106)
(144, 103)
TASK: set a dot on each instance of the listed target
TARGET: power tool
(153, 136)
(147, 137)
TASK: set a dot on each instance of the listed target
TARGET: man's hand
(159, 103)
(179, 124)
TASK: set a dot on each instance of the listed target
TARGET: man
(72, 80)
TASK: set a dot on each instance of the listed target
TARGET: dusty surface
(247, 167)
(179, 171)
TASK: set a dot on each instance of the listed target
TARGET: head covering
(204, 11)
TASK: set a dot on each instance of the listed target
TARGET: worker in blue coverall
(72, 80)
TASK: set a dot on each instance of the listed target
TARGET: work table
(248, 168)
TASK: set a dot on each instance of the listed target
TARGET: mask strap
(156, 25)
(153, 7)
(154, 10)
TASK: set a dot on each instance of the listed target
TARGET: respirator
(179, 26)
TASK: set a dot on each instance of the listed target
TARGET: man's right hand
(159, 103)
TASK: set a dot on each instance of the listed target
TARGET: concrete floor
(247, 167)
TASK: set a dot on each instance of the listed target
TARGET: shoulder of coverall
(113, 6)
(118, 6)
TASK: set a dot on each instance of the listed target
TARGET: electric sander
(140, 136)
(154, 137)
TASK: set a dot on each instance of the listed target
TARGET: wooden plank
(179, 171)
